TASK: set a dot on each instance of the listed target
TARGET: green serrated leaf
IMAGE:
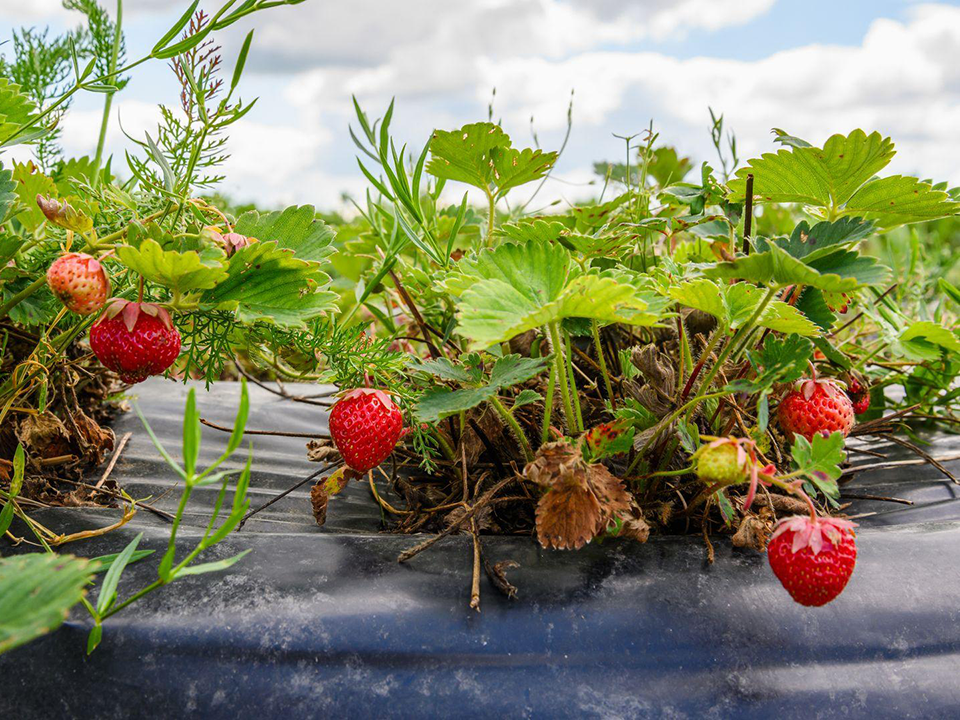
(8, 194)
(526, 397)
(295, 228)
(537, 269)
(36, 593)
(838, 272)
(444, 369)
(16, 110)
(439, 403)
(898, 200)
(823, 238)
(926, 340)
(266, 282)
(735, 304)
(536, 231)
(780, 360)
(840, 177)
(820, 461)
(815, 176)
(465, 155)
(30, 182)
(512, 167)
(436, 404)
(514, 369)
(492, 311)
(183, 272)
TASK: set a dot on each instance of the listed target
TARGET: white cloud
(26, 11)
(431, 37)
(441, 59)
(903, 80)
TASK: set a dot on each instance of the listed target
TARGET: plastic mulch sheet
(323, 622)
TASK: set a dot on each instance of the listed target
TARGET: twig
(281, 392)
(113, 460)
(896, 463)
(277, 433)
(455, 525)
(434, 351)
(850, 496)
(864, 451)
(922, 453)
(58, 460)
(112, 493)
(497, 575)
(871, 427)
(475, 585)
(747, 214)
(380, 501)
(311, 476)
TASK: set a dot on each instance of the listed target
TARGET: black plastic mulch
(323, 622)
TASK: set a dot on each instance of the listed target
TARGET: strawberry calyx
(831, 386)
(820, 534)
(381, 395)
(131, 312)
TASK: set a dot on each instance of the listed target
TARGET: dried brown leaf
(752, 533)
(568, 517)
(95, 442)
(580, 499)
(556, 462)
(322, 451)
(613, 497)
(44, 436)
(319, 497)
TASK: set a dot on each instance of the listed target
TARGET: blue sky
(813, 67)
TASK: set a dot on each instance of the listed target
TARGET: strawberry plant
(654, 361)
(690, 351)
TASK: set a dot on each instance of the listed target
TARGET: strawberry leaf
(607, 439)
(815, 176)
(295, 228)
(465, 155)
(734, 304)
(16, 110)
(838, 272)
(512, 167)
(480, 154)
(925, 340)
(265, 282)
(780, 361)
(840, 177)
(438, 403)
(181, 271)
(819, 461)
(492, 311)
(30, 183)
(37, 591)
(823, 238)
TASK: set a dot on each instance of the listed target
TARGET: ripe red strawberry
(815, 407)
(813, 558)
(79, 281)
(861, 404)
(365, 426)
(859, 396)
(135, 340)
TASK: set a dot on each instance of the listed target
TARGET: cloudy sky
(811, 67)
